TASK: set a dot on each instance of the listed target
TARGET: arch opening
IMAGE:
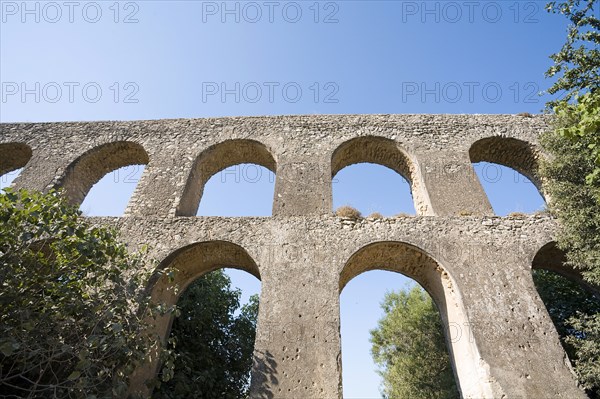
(239, 190)
(574, 308)
(111, 194)
(369, 162)
(507, 151)
(7, 179)
(88, 169)
(384, 317)
(550, 257)
(216, 320)
(507, 169)
(508, 191)
(239, 153)
(412, 262)
(372, 189)
(13, 158)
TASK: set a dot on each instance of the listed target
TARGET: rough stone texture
(14, 156)
(477, 268)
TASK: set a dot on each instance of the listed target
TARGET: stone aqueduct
(476, 266)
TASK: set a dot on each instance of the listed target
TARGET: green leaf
(74, 375)
(56, 299)
(9, 348)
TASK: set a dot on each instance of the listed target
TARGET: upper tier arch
(216, 158)
(514, 153)
(430, 151)
(90, 167)
(372, 149)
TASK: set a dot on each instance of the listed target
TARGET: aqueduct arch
(372, 149)
(303, 249)
(188, 264)
(90, 167)
(195, 260)
(216, 158)
(514, 153)
(550, 257)
(382, 151)
(472, 379)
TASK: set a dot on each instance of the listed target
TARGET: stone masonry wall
(476, 266)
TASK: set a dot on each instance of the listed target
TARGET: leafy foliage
(213, 340)
(571, 181)
(410, 349)
(564, 299)
(575, 313)
(70, 296)
(580, 123)
(577, 63)
(587, 348)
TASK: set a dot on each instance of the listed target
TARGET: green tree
(579, 124)
(410, 348)
(564, 299)
(70, 324)
(571, 177)
(587, 349)
(576, 65)
(571, 182)
(213, 341)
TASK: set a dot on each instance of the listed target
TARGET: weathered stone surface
(477, 268)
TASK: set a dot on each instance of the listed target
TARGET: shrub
(348, 212)
(517, 215)
(70, 295)
(403, 215)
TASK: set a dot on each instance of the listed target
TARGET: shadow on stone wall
(264, 375)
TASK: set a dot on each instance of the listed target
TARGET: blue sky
(110, 60)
